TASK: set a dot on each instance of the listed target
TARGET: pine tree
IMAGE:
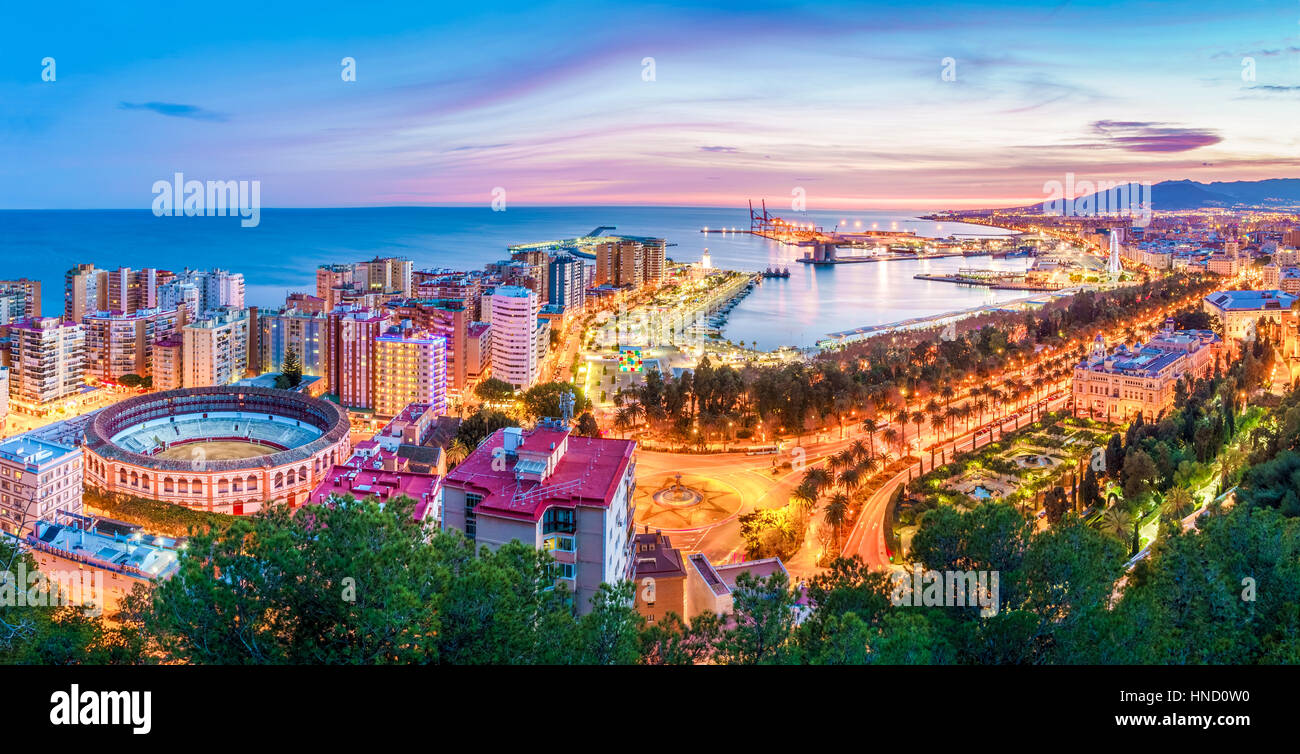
(291, 370)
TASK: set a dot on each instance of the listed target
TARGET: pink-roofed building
(376, 478)
(572, 496)
(410, 427)
(709, 586)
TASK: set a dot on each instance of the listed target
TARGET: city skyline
(556, 104)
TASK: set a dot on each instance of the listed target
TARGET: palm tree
(817, 479)
(963, 414)
(456, 452)
(902, 418)
(1179, 502)
(918, 419)
(868, 466)
(850, 479)
(840, 460)
(936, 423)
(1116, 521)
(859, 450)
(837, 512)
(804, 498)
(893, 439)
(637, 409)
(995, 398)
(872, 428)
(624, 419)
(947, 392)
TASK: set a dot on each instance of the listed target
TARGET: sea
(281, 253)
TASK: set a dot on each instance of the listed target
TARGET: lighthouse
(1113, 266)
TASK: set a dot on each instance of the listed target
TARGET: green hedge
(154, 515)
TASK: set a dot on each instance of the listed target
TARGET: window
(471, 519)
(559, 520)
(562, 544)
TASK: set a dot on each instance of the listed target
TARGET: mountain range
(1272, 193)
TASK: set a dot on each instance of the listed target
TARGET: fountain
(678, 495)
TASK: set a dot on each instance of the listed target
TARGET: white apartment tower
(514, 311)
(47, 362)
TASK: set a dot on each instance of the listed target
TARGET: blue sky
(548, 100)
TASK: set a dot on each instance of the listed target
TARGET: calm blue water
(281, 254)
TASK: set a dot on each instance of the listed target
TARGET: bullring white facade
(306, 436)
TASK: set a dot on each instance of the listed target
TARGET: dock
(996, 279)
(877, 258)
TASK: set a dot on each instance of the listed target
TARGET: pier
(998, 279)
(889, 257)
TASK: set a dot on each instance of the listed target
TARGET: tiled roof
(587, 474)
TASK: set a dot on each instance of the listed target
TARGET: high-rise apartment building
(204, 291)
(131, 290)
(28, 290)
(448, 318)
(655, 260)
(352, 354)
(120, 344)
(630, 262)
(538, 269)
(180, 294)
(85, 290)
(466, 287)
(13, 307)
(410, 367)
(215, 349)
(571, 496)
(168, 364)
(47, 363)
(4, 396)
(514, 319)
(478, 352)
(307, 334)
(568, 282)
(382, 277)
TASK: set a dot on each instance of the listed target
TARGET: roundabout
(677, 502)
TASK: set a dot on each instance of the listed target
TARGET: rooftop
(362, 483)
(34, 452)
(1251, 300)
(133, 555)
(587, 474)
(656, 556)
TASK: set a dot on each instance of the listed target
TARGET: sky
(663, 103)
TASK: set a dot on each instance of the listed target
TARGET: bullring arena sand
(215, 451)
